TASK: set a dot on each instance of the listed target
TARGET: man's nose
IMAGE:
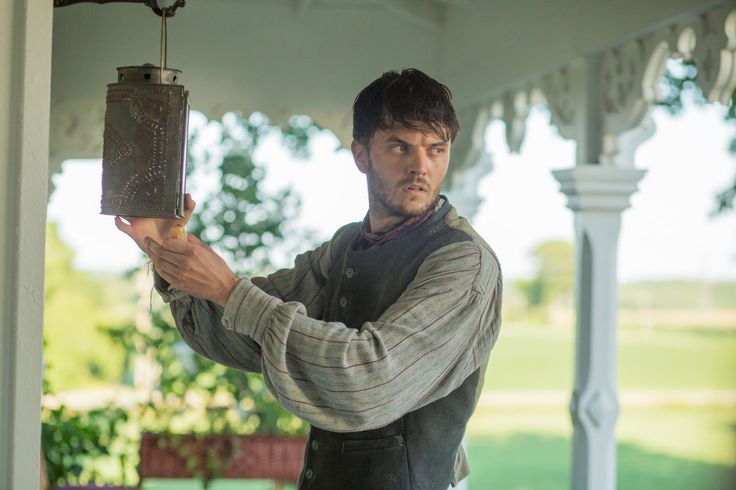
(419, 163)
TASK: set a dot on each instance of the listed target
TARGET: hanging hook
(165, 12)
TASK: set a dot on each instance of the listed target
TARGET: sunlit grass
(656, 358)
(673, 448)
(659, 446)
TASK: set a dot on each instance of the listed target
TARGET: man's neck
(399, 228)
(381, 224)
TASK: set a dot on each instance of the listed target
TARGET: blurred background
(114, 365)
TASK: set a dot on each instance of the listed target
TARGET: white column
(25, 80)
(597, 194)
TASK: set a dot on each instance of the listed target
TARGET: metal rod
(163, 47)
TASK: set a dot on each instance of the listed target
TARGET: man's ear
(360, 155)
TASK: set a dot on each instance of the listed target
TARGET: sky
(666, 234)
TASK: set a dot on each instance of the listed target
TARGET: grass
(672, 448)
(677, 448)
(657, 358)
(677, 294)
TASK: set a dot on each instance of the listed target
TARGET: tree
(75, 303)
(243, 222)
(554, 277)
(79, 446)
(680, 78)
(235, 214)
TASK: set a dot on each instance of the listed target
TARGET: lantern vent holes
(147, 76)
(174, 77)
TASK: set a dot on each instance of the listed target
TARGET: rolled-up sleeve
(439, 331)
(200, 322)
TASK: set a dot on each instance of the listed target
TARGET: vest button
(315, 445)
(308, 474)
(349, 272)
(343, 301)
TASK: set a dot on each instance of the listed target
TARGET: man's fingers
(189, 206)
(166, 271)
(163, 254)
(122, 225)
(175, 245)
(196, 241)
(189, 203)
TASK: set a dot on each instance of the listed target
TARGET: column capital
(594, 187)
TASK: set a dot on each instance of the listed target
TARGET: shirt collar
(370, 239)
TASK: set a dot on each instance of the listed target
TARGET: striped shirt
(439, 331)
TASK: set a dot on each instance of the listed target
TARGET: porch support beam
(25, 48)
(597, 194)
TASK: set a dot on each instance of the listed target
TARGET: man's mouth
(415, 188)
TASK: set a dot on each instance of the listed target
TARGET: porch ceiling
(283, 57)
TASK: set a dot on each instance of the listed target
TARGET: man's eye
(399, 148)
(438, 150)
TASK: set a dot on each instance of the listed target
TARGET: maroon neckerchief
(369, 239)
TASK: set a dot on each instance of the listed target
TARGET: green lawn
(542, 358)
(670, 448)
(666, 447)
(677, 294)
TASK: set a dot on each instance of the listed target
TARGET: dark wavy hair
(411, 99)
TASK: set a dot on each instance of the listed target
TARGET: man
(379, 338)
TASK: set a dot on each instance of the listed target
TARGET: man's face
(405, 169)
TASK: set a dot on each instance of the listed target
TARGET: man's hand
(193, 267)
(157, 229)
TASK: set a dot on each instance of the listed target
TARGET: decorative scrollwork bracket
(155, 5)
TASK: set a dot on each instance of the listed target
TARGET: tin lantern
(145, 143)
(145, 140)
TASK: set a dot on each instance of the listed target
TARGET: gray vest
(418, 450)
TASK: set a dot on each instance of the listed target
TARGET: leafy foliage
(554, 277)
(680, 78)
(245, 223)
(235, 214)
(75, 302)
(78, 444)
(196, 395)
(75, 442)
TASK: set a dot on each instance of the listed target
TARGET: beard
(388, 199)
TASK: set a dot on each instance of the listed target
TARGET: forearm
(200, 321)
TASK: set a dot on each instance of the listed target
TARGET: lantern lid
(149, 74)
